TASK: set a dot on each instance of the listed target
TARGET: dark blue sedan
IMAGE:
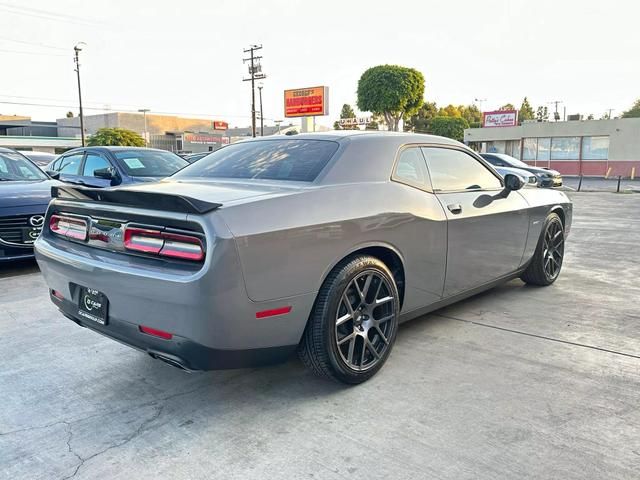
(25, 192)
(110, 166)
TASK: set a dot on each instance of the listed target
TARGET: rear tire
(545, 266)
(354, 321)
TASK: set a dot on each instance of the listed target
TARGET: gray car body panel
(274, 243)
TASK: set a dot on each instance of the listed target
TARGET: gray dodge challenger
(320, 243)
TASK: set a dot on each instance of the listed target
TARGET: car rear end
(165, 281)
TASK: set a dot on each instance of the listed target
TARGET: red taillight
(57, 294)
(273, 312)
(166, 244)
(155, 332)
(70, 227)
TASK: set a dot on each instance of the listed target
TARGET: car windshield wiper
(2, 179)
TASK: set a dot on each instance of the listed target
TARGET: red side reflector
(155, 332)
(273, 312)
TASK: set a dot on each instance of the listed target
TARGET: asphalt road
(517, 383)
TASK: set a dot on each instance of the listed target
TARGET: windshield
(514, 162)
(283, 159)
(150, 163)
(15, 167)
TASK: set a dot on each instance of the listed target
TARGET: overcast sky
(186, 56)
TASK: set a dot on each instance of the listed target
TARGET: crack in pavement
(129, 438)
(542, 337)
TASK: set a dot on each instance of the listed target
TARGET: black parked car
(546, 176)
(25, 192)
(109, 166)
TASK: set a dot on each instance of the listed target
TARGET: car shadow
(18, 267)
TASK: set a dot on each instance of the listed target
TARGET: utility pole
(255, 73)
(610, 111)
(556, 114)
(144, 114)
(261, 118)
(479, 101)
(77, 49)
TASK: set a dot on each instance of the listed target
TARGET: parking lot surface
(600, 184)
(519, 382)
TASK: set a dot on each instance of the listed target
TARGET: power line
(24, 42)
(46, 54)
(44, 14)
(108, 109)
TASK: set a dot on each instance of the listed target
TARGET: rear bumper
(178, 351)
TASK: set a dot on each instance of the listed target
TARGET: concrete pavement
(519, 382)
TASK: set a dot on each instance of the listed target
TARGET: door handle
(455, 208)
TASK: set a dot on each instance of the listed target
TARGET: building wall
(624, 143)
(156, 124)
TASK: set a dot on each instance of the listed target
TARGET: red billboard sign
(306, 102)
(220, 125)
(500, 118)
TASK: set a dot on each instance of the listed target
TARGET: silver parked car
(527, 177)
(322, 243)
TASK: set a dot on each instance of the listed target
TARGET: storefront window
(529, 147)
(595, 148)
(544, 148)
(497, 146)
(513, 148)
(565, 148)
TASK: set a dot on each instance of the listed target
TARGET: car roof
(337, 135)
(109, 148)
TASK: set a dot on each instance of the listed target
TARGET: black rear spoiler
(132, 198)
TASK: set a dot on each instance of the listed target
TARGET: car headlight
(543, 175)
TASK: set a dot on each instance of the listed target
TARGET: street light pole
(78, 49)
(261, 119)
(278, 122)
(144, 113)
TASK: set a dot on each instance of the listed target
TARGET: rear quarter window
(282, 159)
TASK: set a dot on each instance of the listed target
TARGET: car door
(486, 233)
(424, 241)
(69, 167)
(92, 162)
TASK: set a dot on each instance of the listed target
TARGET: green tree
(526, 111)
(507, 106)
(451, 127)
(542, 114)
(392, 91)
(116, 136)
(346, 112)
(634, 111)
(69, 114)
(470, 113)
(449, 111)
(419, 122)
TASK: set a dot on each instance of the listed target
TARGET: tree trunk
(391, 121)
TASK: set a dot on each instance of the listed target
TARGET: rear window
(149, 163)
(286, 159)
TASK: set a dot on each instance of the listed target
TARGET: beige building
(584, 147)
(168, 132)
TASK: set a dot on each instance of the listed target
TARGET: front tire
(354, 322)
(546, 263)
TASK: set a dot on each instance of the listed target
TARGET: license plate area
(30, 234)
(93, 305)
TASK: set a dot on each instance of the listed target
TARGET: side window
(92, 163)
(70, 164)
(456, 170)
(412, 169)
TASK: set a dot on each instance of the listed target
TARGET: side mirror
(107, 173)
(511, 182)
(53, 174)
